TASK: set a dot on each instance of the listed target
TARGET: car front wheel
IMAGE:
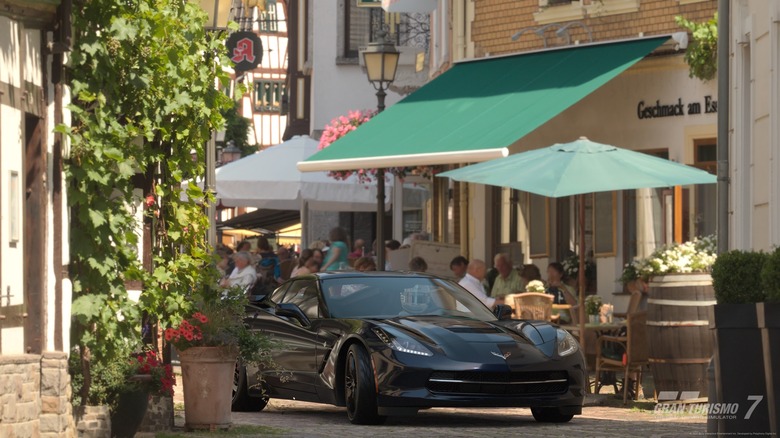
(550, 415)
(242, 401)
(359, 391)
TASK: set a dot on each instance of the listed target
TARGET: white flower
(535, 286)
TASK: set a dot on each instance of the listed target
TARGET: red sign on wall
(245, 49)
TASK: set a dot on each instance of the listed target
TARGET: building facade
(653, 107)
(35, 298)
(754, 134)
(327, 80)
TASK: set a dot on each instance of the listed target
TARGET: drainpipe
(724, 54)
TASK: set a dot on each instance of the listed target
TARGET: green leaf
(97, 218)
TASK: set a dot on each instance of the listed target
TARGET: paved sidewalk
(299, 419)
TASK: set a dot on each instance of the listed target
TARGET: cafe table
(599, 329)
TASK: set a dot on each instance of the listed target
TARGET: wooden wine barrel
(679, 311)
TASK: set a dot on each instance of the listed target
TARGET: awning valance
(476, 109)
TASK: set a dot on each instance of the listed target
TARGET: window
(267, 21)
(605, 223)
(304, 295)
(705, 203)
(539, 225)
(358, 27)
(361, 24)
(269, 96)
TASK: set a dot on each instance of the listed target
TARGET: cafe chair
(533, 306)
(632, 353)
(633, 305)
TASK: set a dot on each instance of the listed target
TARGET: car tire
(359, 391)
(242, 401)
(550, 415)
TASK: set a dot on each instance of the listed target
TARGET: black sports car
(391, 343)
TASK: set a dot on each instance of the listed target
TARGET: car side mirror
(503, 311)
(290, 310)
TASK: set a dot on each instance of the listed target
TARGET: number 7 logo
(756, 400)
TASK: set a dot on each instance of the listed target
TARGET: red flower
(150, 200)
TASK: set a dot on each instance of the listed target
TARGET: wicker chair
(634, 344)
(534, 306)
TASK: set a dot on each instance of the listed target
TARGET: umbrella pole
(581, 273)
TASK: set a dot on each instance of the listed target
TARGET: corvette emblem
(504, 356)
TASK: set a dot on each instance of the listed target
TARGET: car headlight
(566, 343)
(402, 344)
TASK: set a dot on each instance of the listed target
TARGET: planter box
(769, 324)
(739, 369)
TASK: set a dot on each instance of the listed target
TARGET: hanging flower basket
(343, 125)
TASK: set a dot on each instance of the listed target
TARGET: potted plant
(738, 352)
(146, 376)
(209, 343)
(571, 269)
(593, 308)
(679, 311)
(769, 324)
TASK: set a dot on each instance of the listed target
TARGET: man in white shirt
(472, 282)
(244, 274)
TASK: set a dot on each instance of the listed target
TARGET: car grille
(499, 383)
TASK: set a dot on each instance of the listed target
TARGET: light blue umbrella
(577, 168)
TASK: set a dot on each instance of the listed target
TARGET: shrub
(737, 275)
(770, 276)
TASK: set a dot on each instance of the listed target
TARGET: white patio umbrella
(270, 179)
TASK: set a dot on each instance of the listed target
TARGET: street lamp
(381, 60)
(230, 153)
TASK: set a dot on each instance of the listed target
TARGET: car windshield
(390, 297)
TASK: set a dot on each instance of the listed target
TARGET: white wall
(12, 142)
(336, 89)
(754, 142)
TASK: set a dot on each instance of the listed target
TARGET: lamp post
(381, 60)
(231, 153)
(219, 13)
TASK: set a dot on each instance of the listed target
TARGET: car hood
(469, 339)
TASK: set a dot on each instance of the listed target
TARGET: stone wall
(35, 396)
(159, 415)
(93, 422)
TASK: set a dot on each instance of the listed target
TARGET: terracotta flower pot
(207, 377)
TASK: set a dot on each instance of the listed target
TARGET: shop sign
(675, 109)
(245, 50)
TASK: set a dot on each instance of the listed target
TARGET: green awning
(476, 109)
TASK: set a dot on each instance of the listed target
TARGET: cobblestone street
(299, 419)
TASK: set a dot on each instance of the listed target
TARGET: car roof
(353, 274)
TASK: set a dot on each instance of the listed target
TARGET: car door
(294, 369)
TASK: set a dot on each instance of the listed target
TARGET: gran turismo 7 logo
(669, 402)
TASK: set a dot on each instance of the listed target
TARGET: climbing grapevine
(143, 76)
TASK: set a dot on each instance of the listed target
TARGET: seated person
(364, 264)
(508, 280)
(358, 249)
(418, 264)
(243, 274)
(561, 292)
